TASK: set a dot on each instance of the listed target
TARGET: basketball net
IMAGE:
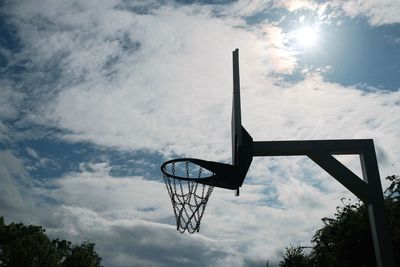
(189, 200)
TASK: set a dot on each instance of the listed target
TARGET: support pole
(376, 208)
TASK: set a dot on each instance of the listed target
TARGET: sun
(307, 36)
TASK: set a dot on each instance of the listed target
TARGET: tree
(83, 255)
(295, 257)
(346, 239)
(392, 204)
(22, 245)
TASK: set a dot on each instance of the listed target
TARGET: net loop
(189, 198)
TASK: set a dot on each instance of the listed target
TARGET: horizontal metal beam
(305, 147)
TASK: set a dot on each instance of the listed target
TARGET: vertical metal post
(376, 209)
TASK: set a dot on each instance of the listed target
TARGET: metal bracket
(368, 188)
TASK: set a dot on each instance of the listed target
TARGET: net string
(188, 204)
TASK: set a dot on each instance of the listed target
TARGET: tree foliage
(346, 239)
(295, 257)
(83, 255)
(22, 245)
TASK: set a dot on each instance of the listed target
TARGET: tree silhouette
(346, 240)
(295, 257)
(22, 246)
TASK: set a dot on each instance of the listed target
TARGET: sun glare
(307, 36)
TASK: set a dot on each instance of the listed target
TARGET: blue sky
(94, 96)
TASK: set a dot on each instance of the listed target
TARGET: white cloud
(16, 200)
(278, 53)
(129, 218)
(294, 5)
(32, 152)
(9, 190)
(378, 12)
(5, 133)
(10, 99)
(315, 109)
(243, 8)
(172, 93)
(183, 58)
(161, 81)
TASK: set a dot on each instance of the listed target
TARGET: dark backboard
(236, 124)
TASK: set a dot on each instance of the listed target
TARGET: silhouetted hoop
(188, 169)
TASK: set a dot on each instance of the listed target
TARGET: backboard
(236, 123)
(229, 176)
(241, 140)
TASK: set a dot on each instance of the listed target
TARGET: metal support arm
(368, 189)
(342, 174)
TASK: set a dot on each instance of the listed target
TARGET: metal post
(376, 208)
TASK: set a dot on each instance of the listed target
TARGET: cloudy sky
(95, 95)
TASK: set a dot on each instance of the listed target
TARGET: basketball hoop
(188, 195)
(190, 181)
